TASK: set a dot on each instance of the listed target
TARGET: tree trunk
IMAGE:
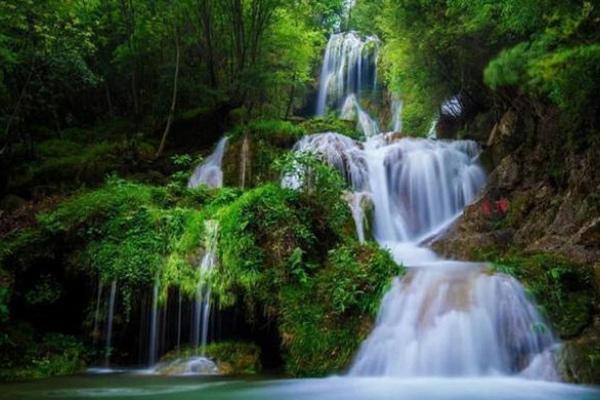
(173, 100)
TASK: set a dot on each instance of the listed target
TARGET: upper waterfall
(349, 67)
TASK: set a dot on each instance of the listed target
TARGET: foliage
(435, 51)
(53, 355)
(277, 258)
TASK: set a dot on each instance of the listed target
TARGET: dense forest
(167, 189)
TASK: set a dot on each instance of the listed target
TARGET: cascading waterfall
(443, 318)
(209, 172)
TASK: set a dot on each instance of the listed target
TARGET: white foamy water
(443, 318)
(209, 173)
(349, 68)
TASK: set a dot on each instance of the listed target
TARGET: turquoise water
(131, 386)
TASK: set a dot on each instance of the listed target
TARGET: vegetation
(231, 358)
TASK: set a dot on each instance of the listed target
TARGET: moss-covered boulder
(230, 358)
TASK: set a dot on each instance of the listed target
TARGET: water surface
(132, 386)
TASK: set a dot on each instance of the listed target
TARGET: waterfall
(202, 304)
(153, 344)
(352, 111)
(443, 318)
(396, 115)
(109, 322)
(359, 202)
(209, 173)
(348, 61)
(179, 305)
(244, 161)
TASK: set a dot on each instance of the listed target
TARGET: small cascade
(396, 110)
(348, 66)
(432, 133)
(209, 173)
(359, 203)
(109, 323)
(352, 111)
(201, 313)
(179, 309)
(202, 305)
(337, 150)
(153, 343)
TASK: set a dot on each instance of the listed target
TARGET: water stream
(109, 323)
(209, 172)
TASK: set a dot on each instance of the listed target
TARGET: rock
(579, 359)
(187, 366)
(507, 175)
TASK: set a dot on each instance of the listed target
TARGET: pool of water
(135, 386)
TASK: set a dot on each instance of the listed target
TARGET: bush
(53, 355)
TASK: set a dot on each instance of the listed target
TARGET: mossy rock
(563, 290)
(579, 359)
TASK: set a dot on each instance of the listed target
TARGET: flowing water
(153, 343)
(132, 386)
(349, 67)
(109, 323)
(443, 318)
(209, 172)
